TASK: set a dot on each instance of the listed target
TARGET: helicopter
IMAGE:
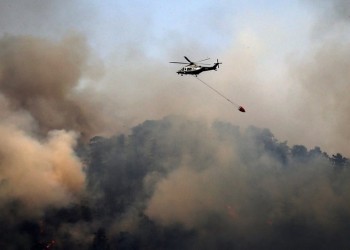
(194, 68)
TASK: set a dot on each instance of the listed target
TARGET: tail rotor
(218, 63)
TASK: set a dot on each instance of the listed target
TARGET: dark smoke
(173, 183)
(42, 114)
(178, 183)
(41, 77)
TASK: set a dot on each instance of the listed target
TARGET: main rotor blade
(179, 62)
(188, 59)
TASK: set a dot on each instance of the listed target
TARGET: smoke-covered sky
(70, 70)
(285, 62)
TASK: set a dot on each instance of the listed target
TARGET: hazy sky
(286, 62)
(154, 24)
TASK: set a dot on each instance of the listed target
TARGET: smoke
(211, 185)
(332, 17)
(205, 184)
(180, 182)
(45, 112)
(324, 86)
(244, 187)
(42, 77)
(39, 174)
(44, 19)
(322, 78)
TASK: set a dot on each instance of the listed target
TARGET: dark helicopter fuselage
(194, 69)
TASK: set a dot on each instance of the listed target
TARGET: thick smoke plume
(42, 116)
(41, 77)
(206, 185)
(175, 182)
(36, 173)
(215, 186)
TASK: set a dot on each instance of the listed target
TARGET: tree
(339, 161)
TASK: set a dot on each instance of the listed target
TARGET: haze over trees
(178, 183)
